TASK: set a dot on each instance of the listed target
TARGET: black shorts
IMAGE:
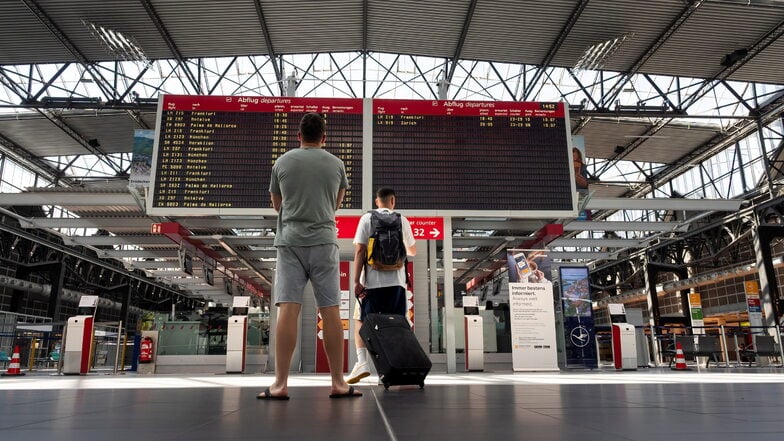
(386, 300)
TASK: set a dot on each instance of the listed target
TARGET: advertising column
(532, 312)
(322, 365)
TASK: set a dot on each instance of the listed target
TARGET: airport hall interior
(391, 220)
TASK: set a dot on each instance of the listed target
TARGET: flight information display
(214, 154)
(487, 156)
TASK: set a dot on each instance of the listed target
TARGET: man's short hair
(384, 193)
(312, 127)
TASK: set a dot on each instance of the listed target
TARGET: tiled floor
(607, 406)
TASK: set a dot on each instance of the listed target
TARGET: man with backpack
(383, 241)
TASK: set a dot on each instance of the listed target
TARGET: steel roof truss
(342, 75)
(167, 38)
(268, 42)
(708, 85)
(223, 75)
(689, 9)
(559, 40)
(339, 69)
(461, 40)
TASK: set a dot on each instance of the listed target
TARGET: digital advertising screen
(580, 336)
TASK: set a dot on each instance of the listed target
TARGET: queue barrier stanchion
(654, 347)
(724, 351)
(781, 346)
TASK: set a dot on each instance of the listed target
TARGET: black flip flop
(350, 394)
(267, 395)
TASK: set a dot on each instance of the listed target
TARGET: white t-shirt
(379, 279)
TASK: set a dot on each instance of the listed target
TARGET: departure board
(214, 154)
(474, 156)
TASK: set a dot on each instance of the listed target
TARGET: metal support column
(653, 307)
(432, 266)
(449, 299)
(57, 276)
(769, 295)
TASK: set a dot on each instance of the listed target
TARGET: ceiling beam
(60, 122)
(680, 204)
(268, 42)
(559, 40)
(32, 162)
(138, 254)
(684, 15)
(203, 223)
(577, 255)
(497, 224)
(463, 34)
(104, 223)
(142, 241)
(67, 198)
(167, 38)
(624, 226)
(55, 30)
(751, 52)
(768, 113)
(597, 243)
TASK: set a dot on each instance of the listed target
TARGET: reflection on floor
(716, 404)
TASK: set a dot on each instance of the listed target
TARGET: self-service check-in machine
(79, 332)
(624, 339)
(474, 335)
(237, 335)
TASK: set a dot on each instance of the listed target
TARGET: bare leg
(358, 342)
(333, 345)
(285, 342)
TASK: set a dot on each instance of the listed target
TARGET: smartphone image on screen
(523, 270)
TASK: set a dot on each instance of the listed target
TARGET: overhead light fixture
(734, 57)
(118, 44)
(596, 56)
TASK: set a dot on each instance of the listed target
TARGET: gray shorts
(297, 265)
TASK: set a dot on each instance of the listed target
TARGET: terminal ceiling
(668, 37)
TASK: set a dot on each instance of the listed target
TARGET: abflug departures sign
(214, 154)
(474, 155)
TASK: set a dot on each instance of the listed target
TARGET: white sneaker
(359, 372)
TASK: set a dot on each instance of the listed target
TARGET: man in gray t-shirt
(307, 187)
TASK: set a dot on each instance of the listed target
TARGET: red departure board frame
(214, 154)
(475, 157)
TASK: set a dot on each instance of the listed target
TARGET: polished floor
(715, 404)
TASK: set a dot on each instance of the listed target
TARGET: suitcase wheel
(386, 386)
(422, 385)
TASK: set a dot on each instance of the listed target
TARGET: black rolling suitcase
(396, 353)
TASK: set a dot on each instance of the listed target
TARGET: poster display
(141, 161)
(754, 305)
(532, 312)
(696, 314)
(579, 333)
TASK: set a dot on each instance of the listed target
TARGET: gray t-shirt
(308, 179)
